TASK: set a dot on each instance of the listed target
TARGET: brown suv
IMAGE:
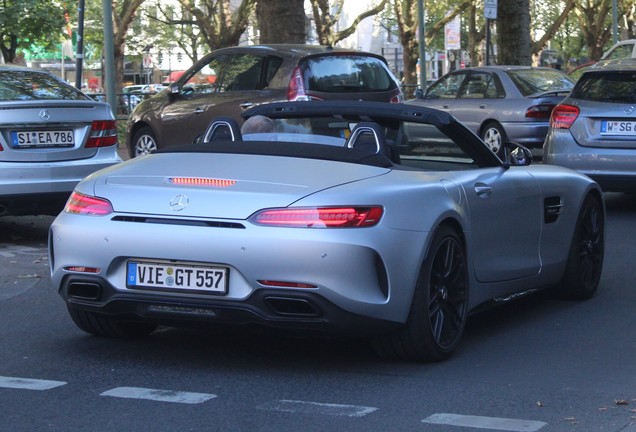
(230, 80)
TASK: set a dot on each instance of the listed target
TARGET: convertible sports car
(391, 221)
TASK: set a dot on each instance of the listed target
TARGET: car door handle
(483, 106)
(198, 110)
(445, 106)
(246, 105)
(483, 190)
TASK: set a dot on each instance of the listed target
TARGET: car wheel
(143, 142)
(585, 259)
(100, 325)
(439, 308)
(494, 136)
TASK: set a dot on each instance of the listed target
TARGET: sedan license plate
(210, 279)
(49, 138)
(612, 127)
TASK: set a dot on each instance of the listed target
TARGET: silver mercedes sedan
(501, 103)
(594, 129)
(51, 137)
(390, 221)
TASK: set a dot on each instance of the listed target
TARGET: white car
(391, 221)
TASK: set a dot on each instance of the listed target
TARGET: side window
(475, 86)
(621, 51)
(448, 87)
(204, 80)
(481, 85)
(426, 146)
(243, 72)
(273, 64)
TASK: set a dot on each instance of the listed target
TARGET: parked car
(134, 89)
(391, 221)
(501, 103)
(621, 50)
(594, 129)
(52, 136)
(230, 80)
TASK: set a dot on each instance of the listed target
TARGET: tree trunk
(594, 19)
(514, 45)
(281, 21)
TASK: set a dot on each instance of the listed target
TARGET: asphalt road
(537, 364)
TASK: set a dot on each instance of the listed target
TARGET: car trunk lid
(48, 131)
(607, 125)
(225, 186)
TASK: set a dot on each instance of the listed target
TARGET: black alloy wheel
(440, 304)
(585, 261)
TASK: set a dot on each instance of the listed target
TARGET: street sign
(490, 9)
(147, 61)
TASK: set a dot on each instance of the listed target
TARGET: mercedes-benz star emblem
(179, 202)
(45, 114)
(629, 110)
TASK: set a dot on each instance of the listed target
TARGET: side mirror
(419, 94)
(516, 154)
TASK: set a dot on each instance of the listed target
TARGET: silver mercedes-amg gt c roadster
(389, 221)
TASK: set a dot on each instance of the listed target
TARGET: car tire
(585, 259)
(494, 136)
(439, 308)
(144, 142)
(100, 325)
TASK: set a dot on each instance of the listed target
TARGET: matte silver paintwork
(499, 210)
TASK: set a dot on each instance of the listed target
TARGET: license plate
(611, 127)
(202, 278)
(49, 138)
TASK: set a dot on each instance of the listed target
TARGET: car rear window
(27, 85)
(346, 74)
(606, 86)
(534, 81)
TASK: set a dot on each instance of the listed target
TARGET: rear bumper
(271, 308)
(529, 134)
(43, 187)
(31, 204)
(613, 169)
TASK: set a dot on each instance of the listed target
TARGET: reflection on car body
(397, 233)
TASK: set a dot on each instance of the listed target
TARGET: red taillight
(296, 89)
(397, 99)
(327, 217)
(82, 269)
(563, 116)
(103, 134)
(79, 203)
(542, 111)
(286, 284)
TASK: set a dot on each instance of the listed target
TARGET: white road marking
(305, 407)
(493, 423)
(159, 395)
(28, 383)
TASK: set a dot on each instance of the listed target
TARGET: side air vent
(552, 207)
